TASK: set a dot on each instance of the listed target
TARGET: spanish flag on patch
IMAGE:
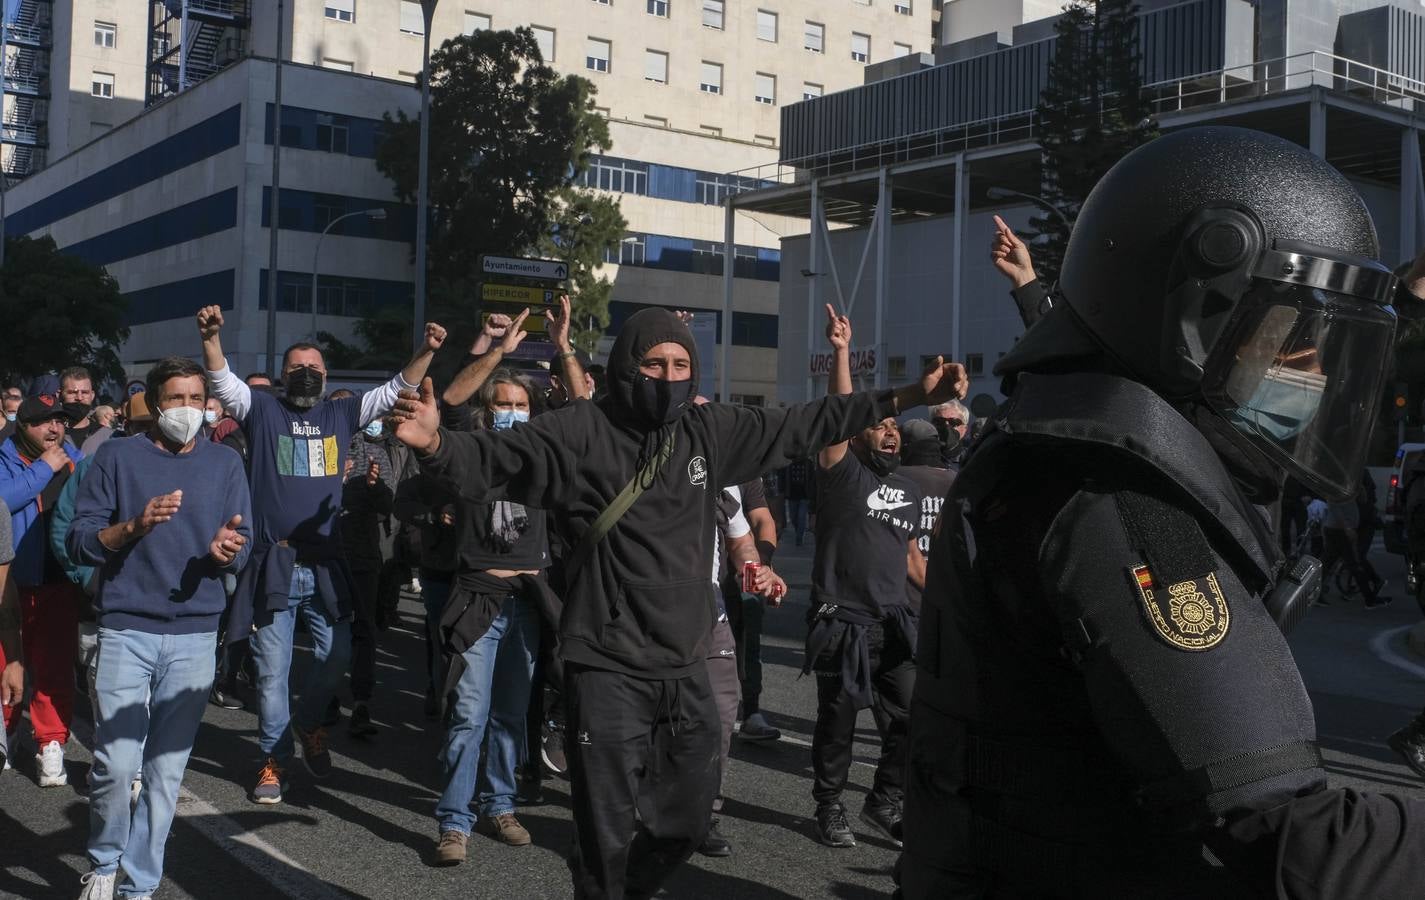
(1143, 577)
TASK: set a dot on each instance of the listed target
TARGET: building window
(712, 14)
(766, 139)
(341, 10)
(860, 47)
(476, 22)
(655, 66)
(544, 37)
(102, 85)
(711, 80)
(898, 50)
(658, 8)
(622, 176)
(656, 121)
(764, 88)
(974, 364)
(631, 251)
(810, 90)
(712, 188)
(749, 399)
(413, 21)
(602, 2)
(597, 54)
(902, 7)
(814, 38)
(896, 367)
(338, 64)
(106, 34)
(333, 133)
(161, 45)
(766, 26)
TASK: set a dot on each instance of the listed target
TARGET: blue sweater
(163, 582)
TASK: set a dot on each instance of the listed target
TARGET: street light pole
(274, 211)
(375, 215)
(423, 178)
(1000, 193)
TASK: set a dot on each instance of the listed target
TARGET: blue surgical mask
(9, 417)
(210, 417)
(375, 428)
(506, 418)
(1281, 407)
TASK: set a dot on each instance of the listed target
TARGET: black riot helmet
(1233, 268)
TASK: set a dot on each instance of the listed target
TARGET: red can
(749, 577)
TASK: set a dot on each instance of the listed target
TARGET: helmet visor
(1300, 375)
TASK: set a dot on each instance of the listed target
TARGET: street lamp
(1000, 193)
(423, 178)
(375, 215)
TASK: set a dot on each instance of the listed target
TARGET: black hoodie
(642, 604)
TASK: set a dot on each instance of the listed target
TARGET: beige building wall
(81, 60)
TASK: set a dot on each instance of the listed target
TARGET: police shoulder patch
(1190, 615)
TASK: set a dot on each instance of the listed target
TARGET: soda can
(749, 577)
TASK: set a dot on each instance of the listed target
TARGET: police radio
(1296, 589)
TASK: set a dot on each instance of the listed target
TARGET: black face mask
(77, 412)
(657, 402)
(304, 385)
(881, 463)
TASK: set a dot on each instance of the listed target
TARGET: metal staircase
(191, 40)
(25, 68)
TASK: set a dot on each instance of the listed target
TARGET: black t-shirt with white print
(863, 524)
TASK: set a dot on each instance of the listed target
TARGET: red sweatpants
(50, 627)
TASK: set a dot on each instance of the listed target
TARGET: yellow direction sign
(514, 293)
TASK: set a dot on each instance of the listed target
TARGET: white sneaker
(96, 886)
(50, 762)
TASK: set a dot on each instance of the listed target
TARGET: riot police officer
(1102, 690)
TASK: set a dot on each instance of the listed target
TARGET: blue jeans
(494, 688)
(151, 690)
(272, 651)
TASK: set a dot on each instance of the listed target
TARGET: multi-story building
(691, 89)
(941, 144)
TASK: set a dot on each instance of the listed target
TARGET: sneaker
(1409, 742)
(755, 728)
(269, 784)
(223, 698)
(135, 788)
(832, 829)
(551, 749)
(450, 849)
(50, 763)
(315, 755)
(882, 819)
(714, 844)
(96, 886)
(333, 713)
(1378, 602)
(360, 724)
(504, 828)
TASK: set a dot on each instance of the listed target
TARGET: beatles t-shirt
(863, 524)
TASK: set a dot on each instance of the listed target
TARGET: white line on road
(278, 869)
(1381, 647)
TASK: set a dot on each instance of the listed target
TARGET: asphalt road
(368, 831)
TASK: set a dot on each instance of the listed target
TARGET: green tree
(509, 137)
(1092, 112)
(586, 226)
(58, 311)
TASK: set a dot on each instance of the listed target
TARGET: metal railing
(21, 32)
(1256, 80)
(16, 133)
(234, 8)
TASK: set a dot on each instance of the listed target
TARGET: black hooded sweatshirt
(642, 603)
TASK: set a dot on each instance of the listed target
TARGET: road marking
(289, 877)
(788, 739)
(1380, 646)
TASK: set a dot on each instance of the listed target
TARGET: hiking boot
(450, 849)
(884, 819)
(315, 756)
(360, 724)
(50, 764)
(504, 828)
(551, 749)
(755, 728)
(1409, 742)
(832, 829)
(269, 784)
(96, 886)
(333, 713)
(714, 844)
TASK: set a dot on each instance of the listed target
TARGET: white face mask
(180, 424)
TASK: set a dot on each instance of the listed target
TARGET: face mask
(1282, 405)
(180, 424)
(882, 463)
(375, 429)
(9, 417)
(502, 419)
(658, 402)
(304, 387)
(210, 417)
(78, 411)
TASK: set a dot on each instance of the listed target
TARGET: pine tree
(1091, 112)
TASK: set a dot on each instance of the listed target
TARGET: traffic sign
(539, 269)
(135, 387)
(515, 293)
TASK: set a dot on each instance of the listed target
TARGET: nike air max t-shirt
(863, 524)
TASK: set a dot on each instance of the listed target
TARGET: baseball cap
(41, 408)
